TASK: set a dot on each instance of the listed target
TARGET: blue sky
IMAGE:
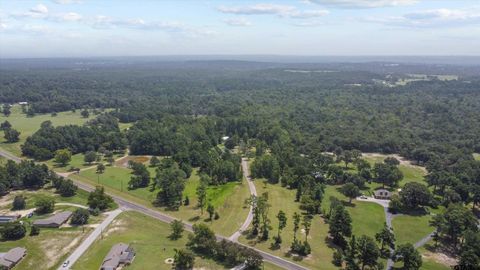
(64, 28)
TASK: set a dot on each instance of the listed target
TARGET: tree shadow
(194, 219)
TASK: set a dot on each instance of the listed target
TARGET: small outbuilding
(120, 255)
(54, 221)
(11, 258)
(382, 194)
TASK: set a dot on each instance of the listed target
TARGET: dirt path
(253, 191)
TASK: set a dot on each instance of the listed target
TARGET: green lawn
(77, 162)
(32, 195)
(28, 125)
(228, 199)
(149, 238)
(411, 173)
(476, 156)
(410, 229)
(283, 199)
(51, 247)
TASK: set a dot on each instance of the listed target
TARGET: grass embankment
(29, 125)
(228, 199)
(151, 244)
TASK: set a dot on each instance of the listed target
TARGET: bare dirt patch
(56, 248)
(403, 161)
(123, 162)
(441, 258)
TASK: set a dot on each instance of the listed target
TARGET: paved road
(90, 239)
(127, 205)
(253, 191)
(72, 204)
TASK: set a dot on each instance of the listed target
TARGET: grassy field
(28, 125)
(228, 199)
(32, 195)
(284, 199)
(410, 229)
(51, 247)
(151, 244)
(476, 156)
(77, 162)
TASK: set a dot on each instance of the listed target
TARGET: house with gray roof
(120, 255)
(382, 194)
(54, 221)
(7, 219)
(12, 257)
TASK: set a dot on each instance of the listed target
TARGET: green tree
(350, 190)
(140, 176)
(387, 174)
(385, 237)
(13, 231)
(63, 156)
(80, 217)
(171, 181)
(45, 205)
(177, 228)
(154, 161)
(67, 188)
(85, 113)
(98, 199)
(411, 258)
(368, 252)
(454, 222)
(90, 157)
(100, 168)
(11, 135)
(183, 259)
(202, 240)
(6, 110)
(211, 211)
(34, 230)
(202, 196)
(18, 202)
(282, 223)
(415, 194)
(340, 225)
(296, 225)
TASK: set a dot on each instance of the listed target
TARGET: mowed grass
(281, 198)
(77, 162)
(411, 229)
(411, 173)
(228, 199)
(29, 125)
(50, 248)
(148, 237)
(476, 156)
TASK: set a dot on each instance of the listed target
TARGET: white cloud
(308, 23)
(272, 9)
(364, 3)
(66, 2)
(237, 22)
(432, 18)
(35, 29)
(41, 9)
(69, 17)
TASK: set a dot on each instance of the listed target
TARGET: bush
(45, 205)
(216, 216)
(99, 199)
(395, 204)
(80, 217)
(35, 230)
(13, 231)
(67, 188)
(337, 258)
(18, 202)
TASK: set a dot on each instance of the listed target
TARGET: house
(12, 257)
(54, 221)
(382, 194)
(7, 219)
(22, 103)
(121, 254)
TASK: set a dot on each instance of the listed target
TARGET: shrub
(45, 205)
(80, 217)
(18, 202)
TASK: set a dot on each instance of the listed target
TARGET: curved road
(127, 205)
(253, 191)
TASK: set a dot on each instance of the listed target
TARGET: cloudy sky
(62, 28)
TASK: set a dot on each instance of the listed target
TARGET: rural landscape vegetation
(170, 163)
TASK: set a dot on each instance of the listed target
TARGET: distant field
(228, 199)
(28, 125)
(151, 244)
(476, 156)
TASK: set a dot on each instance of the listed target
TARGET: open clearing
(228, 199)
(149, 238)
(476, 156)
(410, 229)
(28, 125)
